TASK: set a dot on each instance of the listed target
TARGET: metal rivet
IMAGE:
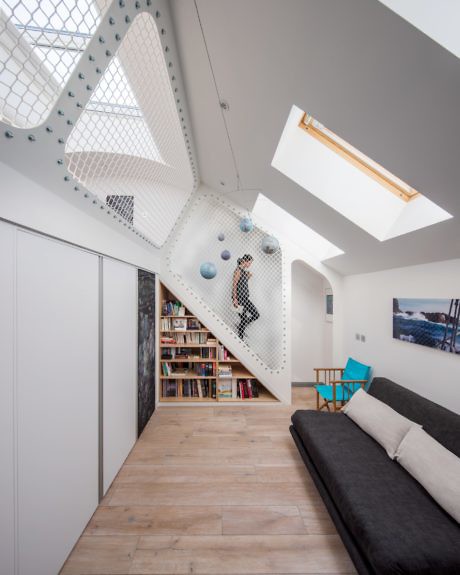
(170, 65)
(95, 202)
(108, 53)
(127, 19)
(60, 113)
(163, 31)
(61, 140)
(137, 4)
(60, 162)
(81, 76)
(173, 79)
(79, 105)
(111, 21)
(49, 129)
(167, 49)
(157, 14)
(88, 87)
(9, 134)
(86, 195)
(31, 138)
(69, 122)
(71, 94)
(149, 2)
(76, 188)
(91, 58)
(98, 71)
(66, 178)
(117, 37)
(102, 207)
(101, 39)
(121, 3)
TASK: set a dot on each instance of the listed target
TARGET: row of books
(187, 338)
(234, 388)
(172, 308)
(205, 369)
(171, 353)
(223, 354)
(188, 388)
(179, 324)
(224, 371)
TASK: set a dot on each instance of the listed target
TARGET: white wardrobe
(68, 393)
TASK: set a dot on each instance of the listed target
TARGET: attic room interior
(230, 287)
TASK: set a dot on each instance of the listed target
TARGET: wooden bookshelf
(179, 384)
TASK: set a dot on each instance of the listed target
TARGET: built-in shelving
(220, 377)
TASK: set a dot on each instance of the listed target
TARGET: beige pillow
(378, 420)
(436, 468)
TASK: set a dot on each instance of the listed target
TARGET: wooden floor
(215, 490)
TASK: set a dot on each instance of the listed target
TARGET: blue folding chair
(333, 389)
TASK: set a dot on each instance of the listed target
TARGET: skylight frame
(368, 166)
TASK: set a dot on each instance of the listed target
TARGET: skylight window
(293, 230)
(357, 158)
(41, 42)
(360, 189)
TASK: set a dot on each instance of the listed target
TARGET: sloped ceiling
(359, 68)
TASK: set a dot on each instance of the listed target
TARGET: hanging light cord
(238, 183)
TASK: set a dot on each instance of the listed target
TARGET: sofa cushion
(437, 421)
(378, 420)
(434, 467)
(394, 521)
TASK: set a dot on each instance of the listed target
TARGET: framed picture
(329, 302)
(179, 324)
(430, 322)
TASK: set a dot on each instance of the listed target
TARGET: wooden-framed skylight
(372, 169)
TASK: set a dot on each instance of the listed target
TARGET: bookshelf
(195, 366)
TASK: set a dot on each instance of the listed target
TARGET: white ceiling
(357, 67)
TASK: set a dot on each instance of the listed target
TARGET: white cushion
(436, 468)
(378, 420)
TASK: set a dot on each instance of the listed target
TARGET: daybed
(388, 522)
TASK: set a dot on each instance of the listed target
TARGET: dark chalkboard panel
(146, 348)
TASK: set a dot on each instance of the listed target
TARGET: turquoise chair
(333, 389)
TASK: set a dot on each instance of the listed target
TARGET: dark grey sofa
(388, 522)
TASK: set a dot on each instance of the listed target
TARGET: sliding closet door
(7, 521)
(120, 365)
(57, 392)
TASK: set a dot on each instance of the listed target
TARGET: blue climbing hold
(270, 245)
(225, 255)
(208, 270)
(246, 225)
(221, 237)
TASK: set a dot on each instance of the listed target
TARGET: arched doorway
(311, 326)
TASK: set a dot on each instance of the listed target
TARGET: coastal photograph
(430, 322)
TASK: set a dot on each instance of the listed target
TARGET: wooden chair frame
(330, 378)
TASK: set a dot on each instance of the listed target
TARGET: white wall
(28, 204)
(311, 334)
(368, 303)
(120, 365)
(57, 399)
(7, 403)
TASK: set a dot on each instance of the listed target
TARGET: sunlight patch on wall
(302, 236)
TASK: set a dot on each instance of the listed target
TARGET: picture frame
(329, 305)
(179, 324)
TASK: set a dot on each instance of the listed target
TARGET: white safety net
(41, 42)
(128, 142)
(210, 229)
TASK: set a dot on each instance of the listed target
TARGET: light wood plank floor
(213, 490)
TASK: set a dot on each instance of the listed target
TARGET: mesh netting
(41, 42)
(247, 297)
(128, 142)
